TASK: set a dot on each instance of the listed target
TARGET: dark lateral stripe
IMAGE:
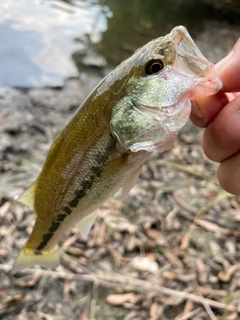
(45, 239)
(55, 225)
(97, 171)
(84, 186)
(67, 210)
(102, 157)
(80, 193)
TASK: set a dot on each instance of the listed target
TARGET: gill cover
(156, 106)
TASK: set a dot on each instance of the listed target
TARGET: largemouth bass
(138, 108)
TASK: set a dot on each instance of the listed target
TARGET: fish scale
(136, 109)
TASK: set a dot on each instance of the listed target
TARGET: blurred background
(45, 41)
(170, 249)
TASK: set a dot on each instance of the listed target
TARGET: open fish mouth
(159, 112)
(194, 61)
(189, 52)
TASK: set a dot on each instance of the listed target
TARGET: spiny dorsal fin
(86, 223)
(130, 182)
(28, 196)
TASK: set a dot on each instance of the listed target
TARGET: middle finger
(221, 139)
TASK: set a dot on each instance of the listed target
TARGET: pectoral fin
(28, 196)
(86, 223)
(131, 182)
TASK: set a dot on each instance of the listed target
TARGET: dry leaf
(85, 314)
(174, 260)
(212, 227)
(28, 281)
(4, 208)
(121, 299)
(226, 276)
(155, 311)
(144, 264)
(189, 305)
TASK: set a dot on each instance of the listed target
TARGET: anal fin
(86, 223)
(130, 182)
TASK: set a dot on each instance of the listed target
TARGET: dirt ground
(170, 250)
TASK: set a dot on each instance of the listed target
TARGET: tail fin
(28, 257)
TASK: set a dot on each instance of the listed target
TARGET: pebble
(144, 264)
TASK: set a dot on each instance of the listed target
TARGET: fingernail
(196, 110)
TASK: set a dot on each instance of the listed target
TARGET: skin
(220, 116)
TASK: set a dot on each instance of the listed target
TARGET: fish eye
(154, 66)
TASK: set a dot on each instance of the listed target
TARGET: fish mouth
(190, 53)
(165, 111)
(172, 117)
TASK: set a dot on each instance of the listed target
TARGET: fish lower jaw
(172, 110)
(174, 116)
(161, 146)
(167, 110)
(207, 87)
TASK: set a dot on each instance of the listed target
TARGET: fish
(138, 108)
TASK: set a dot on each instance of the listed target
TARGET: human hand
(220, 115)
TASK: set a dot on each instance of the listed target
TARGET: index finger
(205, 109)
(228, 70)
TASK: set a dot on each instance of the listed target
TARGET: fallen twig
(221, 195)
(111, 280)
(190, 315)
(189, 169)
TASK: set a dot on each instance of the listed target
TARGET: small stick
(111, 280)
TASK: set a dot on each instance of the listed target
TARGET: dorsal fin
(28, 196)
(130, 182)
